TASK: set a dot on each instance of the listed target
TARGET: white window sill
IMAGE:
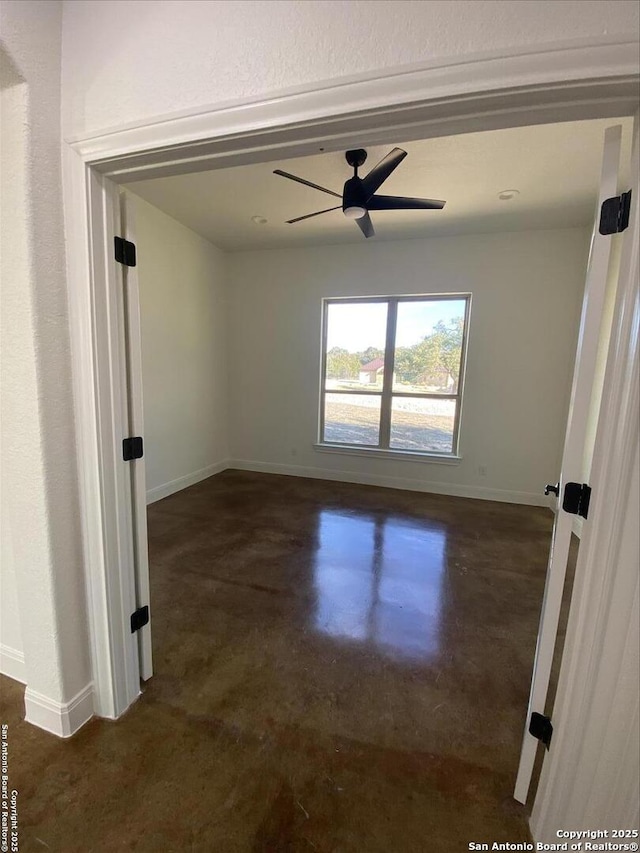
(414, 456)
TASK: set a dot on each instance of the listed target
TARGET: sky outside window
(357, 325)
(416, 320)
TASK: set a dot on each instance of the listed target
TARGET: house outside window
(372, 373)
(393, 373)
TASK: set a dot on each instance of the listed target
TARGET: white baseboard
(61, 719)
(173, 486)
(414, 485)
(12, 664)
(410, 484)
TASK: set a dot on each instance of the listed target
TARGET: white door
(572, 458)
(131, 308)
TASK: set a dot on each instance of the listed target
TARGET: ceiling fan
(359, 194)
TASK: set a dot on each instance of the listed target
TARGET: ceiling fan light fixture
(355, 211)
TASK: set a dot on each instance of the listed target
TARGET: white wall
(184, 54)
(184, 355)
(11, 645)
(12, 227)
(527, 289)
(39, 476)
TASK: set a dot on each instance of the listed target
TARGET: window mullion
(387, 378)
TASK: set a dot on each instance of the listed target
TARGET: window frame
(386, 393)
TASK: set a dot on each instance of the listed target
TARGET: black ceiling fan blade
(381, 172)
(398, 202)
(366, 225)
(309, 215)
(306, 183)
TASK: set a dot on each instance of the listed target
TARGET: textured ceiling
(555, 168)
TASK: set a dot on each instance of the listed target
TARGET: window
(392, 373)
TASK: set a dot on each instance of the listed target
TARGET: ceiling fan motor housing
(353, 194)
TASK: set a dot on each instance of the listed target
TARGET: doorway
(263, 279)
(100, 187)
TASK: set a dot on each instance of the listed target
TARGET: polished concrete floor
(339, 668)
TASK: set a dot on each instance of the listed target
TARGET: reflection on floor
(380, 580)
(339, 668)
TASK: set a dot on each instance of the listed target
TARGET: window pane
(356, 335)
(422, 424)
(352, 418)
(429, 346)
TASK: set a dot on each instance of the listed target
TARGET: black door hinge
(614, 214)
(132, 448)
(139, 618)
(540, 727)
(576, 499)
(125, 252)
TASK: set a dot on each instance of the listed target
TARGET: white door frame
(573, 453)
(595, 715)
(569, 81)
